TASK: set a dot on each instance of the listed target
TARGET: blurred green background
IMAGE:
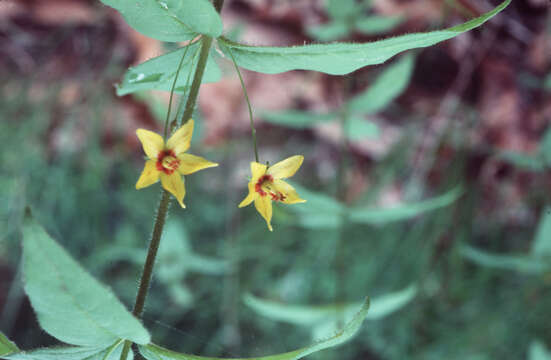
(435, 203)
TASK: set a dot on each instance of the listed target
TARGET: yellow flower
(266, 186)
(169, 161)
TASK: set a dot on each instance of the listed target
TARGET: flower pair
(169, 161)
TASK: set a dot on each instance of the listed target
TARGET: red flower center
(167, 162)
(265, 186)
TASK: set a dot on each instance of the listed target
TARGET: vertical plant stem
(206, 42)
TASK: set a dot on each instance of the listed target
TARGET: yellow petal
(257, 170)
(250, 197)
(175, 185)
(263, 205)
(179, 141)
(291, 196)
(152, 143)
(286, 168)
(191, 163)
(149, 176)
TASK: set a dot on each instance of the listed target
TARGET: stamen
(167, 162)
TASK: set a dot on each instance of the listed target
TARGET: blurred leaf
(296, 119)
(6, 346)
(545, 147)
(358, 128)
(538, 351)
(70, 304)
(373, 25)
(333, 30)
(309, 315)
(112, 352)
(158, 73)
(379, 216)
(547, 82)
(542, 242)
(340, 58)
(154, 352)
(387, 86)
(520, 263)
(170, 20)
(342, 9)
(522, 161)
(320, 211)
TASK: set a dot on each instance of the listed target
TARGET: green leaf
(374, 24)
(158, 73)
(6, 346)
(112, 352)
(379, 216)
(547, 82)
(542, 242)
(522, 161)
(154, 352)
(545, 147)
(170, 20)
(320, 211)
(358, 128)
(70, 304)
(342, 9)
(333, 30)
(340, 58)
(538, 351)
(520, 263)
(309, 315)
(390, 84)
(297, 119)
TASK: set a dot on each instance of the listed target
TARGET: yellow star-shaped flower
(169, 161)
(266, 186)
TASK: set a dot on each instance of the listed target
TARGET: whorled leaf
(70, 304)
(340, 58)
(6, 346)
(170, 20)
(112, 352)
(390, 84)
(158, 73)
(154, 352)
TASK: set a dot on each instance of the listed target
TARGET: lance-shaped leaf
(112, 352)
(358, 128)
(154, 352)
(297, 119)
(538, 351)
(310, 315)
(386, 87)
(70, 304)
(520, 263)
(340, 58)
(380, 216)
(170, 20)
(6, 346)
(158, 73)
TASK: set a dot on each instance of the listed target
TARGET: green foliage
(538, 351)
(540, 161)
(542, 242)
(158, 73)
(70, 304)
(386, 88)
(154, 352)
(347, 16)
(320, 211)
(170, 20)
(340, 58)
(297, 119)
(112, 352)
(6, 346)
(325, 317)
